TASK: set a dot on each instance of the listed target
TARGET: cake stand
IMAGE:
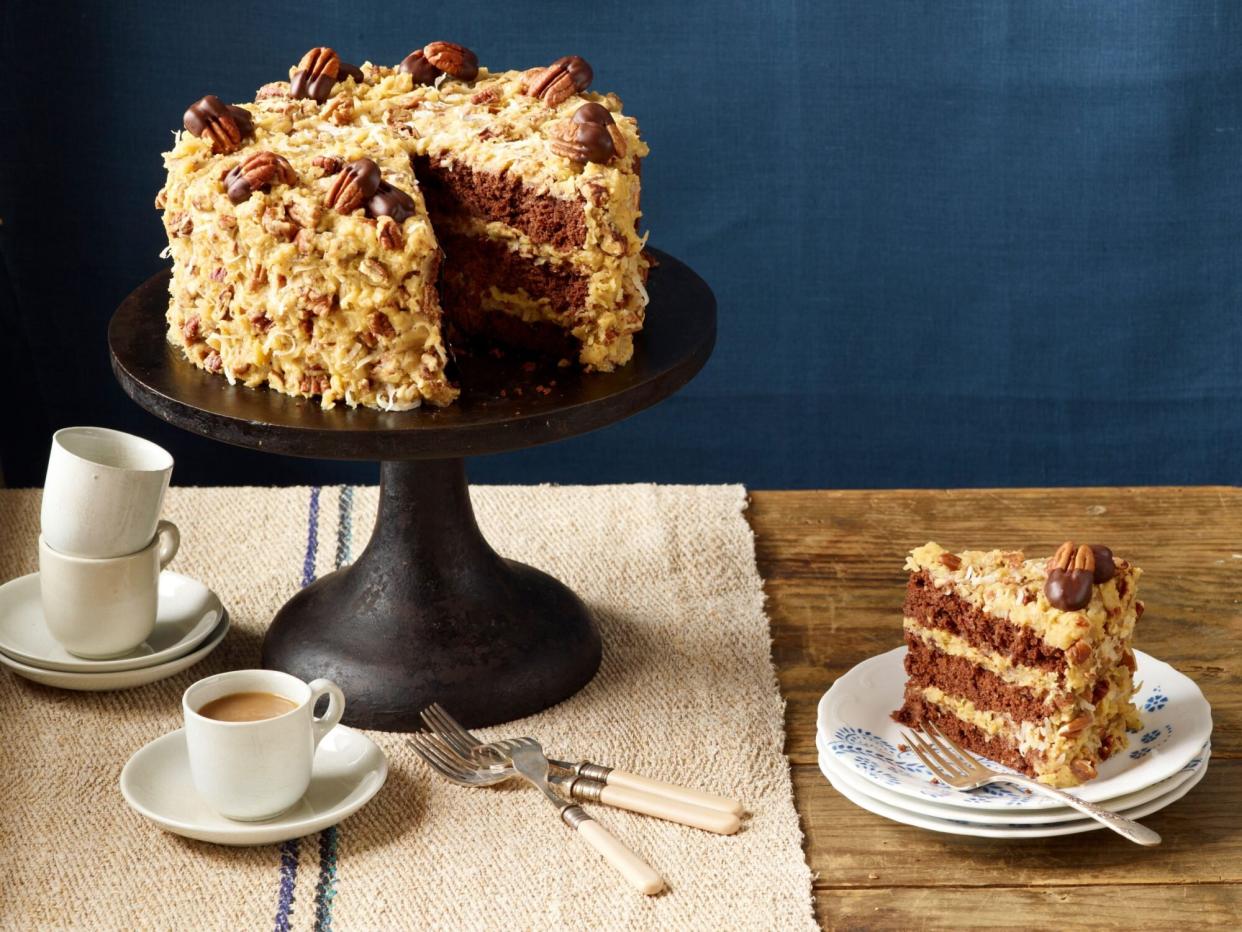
(429, 612)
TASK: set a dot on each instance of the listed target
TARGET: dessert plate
(348, 771)
(841, 774)
(119, 679)
(954, 827)
(855, 727)
(188, 612)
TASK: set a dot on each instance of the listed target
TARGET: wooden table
(832, 562)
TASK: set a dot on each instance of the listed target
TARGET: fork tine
(435, 754)
(965, 762)
(434, 762)
(934, 768)
(442, 724)
(950, 771)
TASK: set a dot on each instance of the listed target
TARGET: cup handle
(170, 541)
(336, 707)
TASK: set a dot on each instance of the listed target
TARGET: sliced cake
(1027, 662)
(317, 233)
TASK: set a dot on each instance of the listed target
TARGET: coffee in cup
(254, 768)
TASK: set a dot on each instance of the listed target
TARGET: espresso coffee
(247, 707)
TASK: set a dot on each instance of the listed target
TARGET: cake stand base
(430, 613)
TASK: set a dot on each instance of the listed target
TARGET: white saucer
(188, 613)
(953, 827)
(349, 769)
(856, 727)
(119, 679)
(840, 774)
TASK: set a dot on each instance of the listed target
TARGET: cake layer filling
(501, 197)
(927, 666)
(1048, 683)
(947, 610)
(999, 748)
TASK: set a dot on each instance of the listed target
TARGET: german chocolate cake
(1027, 662)
(337, 236)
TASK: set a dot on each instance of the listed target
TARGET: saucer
(956, 827)
(841, 775)
(188, 613)
(349, 769)
(855, 726)
(119, 679)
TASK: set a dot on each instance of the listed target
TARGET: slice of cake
(1027, 662)
(305, 258)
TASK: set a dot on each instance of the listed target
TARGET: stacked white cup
(103, 544)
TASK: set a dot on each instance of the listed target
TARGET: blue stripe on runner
(329, 838)
(290, 850)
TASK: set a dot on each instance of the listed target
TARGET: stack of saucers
(862, 754)
(190, 624)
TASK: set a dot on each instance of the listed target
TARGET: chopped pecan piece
(276, 223)
(330, 164)
(315, 382)
(213, 362)
(161, 199)
(225, 126)
(316, 74)
(950, 560)
(305, 215)
(373, 271)
(258, 278)
(340, 111)
(561, 80)
(1078, 653)
(190, 330)
(304, 241)
(261, 322)
(453, 59)
(381, 325)
(486, 96)
(389, 232)
(1083, 769)
(273, 90)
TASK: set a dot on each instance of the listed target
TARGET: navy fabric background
(954, 243)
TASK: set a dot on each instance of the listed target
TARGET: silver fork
(440, 721)
(962, 771)
(526, 757)
(580, 787)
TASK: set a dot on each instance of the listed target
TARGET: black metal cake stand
(429, 612)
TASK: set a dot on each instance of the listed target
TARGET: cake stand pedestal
(429, 612)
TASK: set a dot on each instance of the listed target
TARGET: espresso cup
(100, 608)
(251, 771)
(103, 492)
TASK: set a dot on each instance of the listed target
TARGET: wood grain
(832, 565)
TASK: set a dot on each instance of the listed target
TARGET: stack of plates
(863, 755)
(190, 624)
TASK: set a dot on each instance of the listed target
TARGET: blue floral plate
(856, 729)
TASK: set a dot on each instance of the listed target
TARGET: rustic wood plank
(1062, 908)
(848, 846)
(832, 562)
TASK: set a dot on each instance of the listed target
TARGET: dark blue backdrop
(954, 243)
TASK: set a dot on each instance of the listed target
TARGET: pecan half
(316, 74)
(562, 79)
(581, 142)
(592, 112)
(258, 172)
(225, 125)
(1071, 573)
(453, 59)
(353, 186)
(418, 68)
(1083, 769)
(330, 164)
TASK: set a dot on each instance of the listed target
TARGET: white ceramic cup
(251, 771)
(103, 492)
(100, 608)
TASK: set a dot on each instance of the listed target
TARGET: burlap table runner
(686, 692)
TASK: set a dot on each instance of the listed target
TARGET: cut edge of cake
(1027, 662)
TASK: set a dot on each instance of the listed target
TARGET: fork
(440, 721)
(962, 771)
(527, 759)
(581, 787)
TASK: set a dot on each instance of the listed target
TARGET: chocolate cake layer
(957, 676)
(454, 189)
(461, 299)
(943, 609)
(491, 262)
(917, 710)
